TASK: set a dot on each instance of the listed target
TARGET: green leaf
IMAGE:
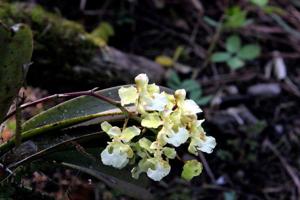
(63, 150)
(122, 186)
(224, 155)
(15, 52)
(75, 111)
(85, 109)
(255, 128)
(38, 147)
(191, 169)
(46, 129)
(260, 3)
(233, 44)
(211, 22)
(78, 107)
(196, 94)
(249, 52)
(190, 85)
(104, 31)
(229, 196)
(173, 80)
(204, 100)
(235, 63)
(220, 57)
(273, 10)
(89, 162)
(235, 17)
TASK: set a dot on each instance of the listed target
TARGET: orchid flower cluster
(172, 121)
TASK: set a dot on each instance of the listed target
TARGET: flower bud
(180, 94)
(141, 81)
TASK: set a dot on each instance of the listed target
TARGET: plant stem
(18, 131)
(72, 95)
(210, 50)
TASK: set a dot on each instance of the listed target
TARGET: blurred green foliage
(236, 54)
(192, 87)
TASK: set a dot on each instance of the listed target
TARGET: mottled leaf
(16, 46)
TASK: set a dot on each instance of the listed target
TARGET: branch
(72, 95)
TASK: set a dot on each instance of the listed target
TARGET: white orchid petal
(151, 120)
(193, 147)
(207, 145)
(128, 95)
(130, 133)
(162, 169)
(200, 122)
(190, 107)
(153, 88)
(116, 158)
(157, 103)
(178, 138)
(105, 126)
(114, 131)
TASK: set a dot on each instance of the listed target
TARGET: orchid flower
(173, 122)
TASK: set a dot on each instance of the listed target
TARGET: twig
(5, 169)
(291, 87)
(285, 26)
(198, 50)
(82, 5)
(18, 123)
(72, 95)
(207, 167)
(285, 164)
(211, 48)
(125, 123)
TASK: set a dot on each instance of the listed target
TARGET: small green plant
(260, 3)
(193, 88)
(236, 54)
(264, 5)
(235, 17)
(104, 31)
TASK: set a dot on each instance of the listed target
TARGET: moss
(37, 15)
(59, 44)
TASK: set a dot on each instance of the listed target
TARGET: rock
(67, 58)
(264, 90)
